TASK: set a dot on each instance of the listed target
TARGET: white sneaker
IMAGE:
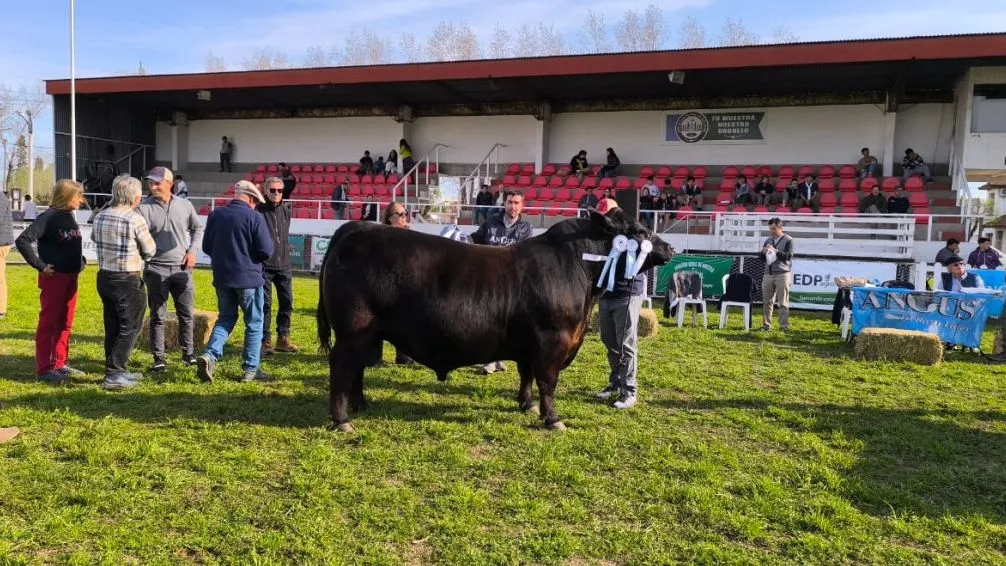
(625, 402)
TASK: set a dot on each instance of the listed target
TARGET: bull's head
(607, 227)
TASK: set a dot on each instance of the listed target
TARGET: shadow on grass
(77, 337)
(912, 461)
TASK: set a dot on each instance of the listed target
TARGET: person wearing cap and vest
(957, 276)
(238, 243)
(175, 227)
(618, 323)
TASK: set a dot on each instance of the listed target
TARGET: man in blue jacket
(238, 243)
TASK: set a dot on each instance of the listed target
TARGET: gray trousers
(618, 319)
(776, 287)
(174, 282)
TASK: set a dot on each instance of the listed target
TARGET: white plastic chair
(725, 305)
(682, 304)
(846, 322)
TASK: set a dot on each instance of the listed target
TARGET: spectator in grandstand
(691, 194)
(867, 164)
(985, 256)
(289, 180)
(610, 169)
(808, 194)
(238, 242)
(588, 200)
(123, 243)
(59, 262)
(369, 210)
(578, 165)
(175, 227)
(226, 152)
(405, 152)
(778, 254)
(30, 209)
(664, 201)
(764, 192)
(618, 323)
(339, 196)
(650, 190)
(277, 270)
(503, 230)
(791, 194)
(6, 241)
(379, 165)
(181, 188)
(913, 165)
(873, 203)
(953, 248)
(957, 276)
(742, 191)
(483, 204)
(898, 202)
(366, 164)
(391, 163)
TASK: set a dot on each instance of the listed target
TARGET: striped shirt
(123, 240)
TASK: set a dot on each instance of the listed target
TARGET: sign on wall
(711, 268)
(814, 280)
(296, 250)
(715, 127)
(318, 248)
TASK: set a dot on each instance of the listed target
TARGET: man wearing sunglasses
(277, 269)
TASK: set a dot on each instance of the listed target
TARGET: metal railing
(491, 160)
(416, 170)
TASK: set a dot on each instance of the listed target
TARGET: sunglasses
(276, 191)
(397, 214)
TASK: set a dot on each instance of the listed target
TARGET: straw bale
(896, 345)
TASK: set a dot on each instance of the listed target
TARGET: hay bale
(202, 326)
(648, 324)
(895, 345)
(592, 319)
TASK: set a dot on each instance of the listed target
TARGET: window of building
(988, 109)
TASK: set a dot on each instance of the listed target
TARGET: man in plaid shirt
(123, 243)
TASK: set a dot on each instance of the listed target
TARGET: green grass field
(745, 448)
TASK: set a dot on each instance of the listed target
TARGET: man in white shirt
(30, 209)
(181, 189)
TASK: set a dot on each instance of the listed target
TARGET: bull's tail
(321, 316)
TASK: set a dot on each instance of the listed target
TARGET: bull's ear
(600, 223)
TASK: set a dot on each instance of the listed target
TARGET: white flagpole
(73, 102)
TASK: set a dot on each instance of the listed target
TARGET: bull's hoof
(346, 427)
(532, 410)
(557, 425)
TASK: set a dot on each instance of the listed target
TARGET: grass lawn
(744, 448)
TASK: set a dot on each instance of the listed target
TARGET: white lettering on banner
(318, 248)
(814, 280)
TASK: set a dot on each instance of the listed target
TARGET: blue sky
(114, 36)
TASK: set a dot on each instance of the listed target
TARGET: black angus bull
(448, 304)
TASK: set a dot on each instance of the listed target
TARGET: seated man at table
(957, 276)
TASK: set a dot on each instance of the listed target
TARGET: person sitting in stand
(985, 256)
(867, 164)
(588, 200)
(808, 194)
(952, 248)
(369, 210)
(366, 164)
(610, 169)
(764, 192)
(578, 165)
(913, 165)
(957, 276)
(873, 203)
(742, 191)
(791, 193)
(691, 194)
(898, 202)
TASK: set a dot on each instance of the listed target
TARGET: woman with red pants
(59, 262)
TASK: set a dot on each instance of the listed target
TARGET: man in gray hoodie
(6, 239)
(176, 230)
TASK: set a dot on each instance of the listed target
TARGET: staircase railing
(960, 185)
(491, 162)
(433, 156)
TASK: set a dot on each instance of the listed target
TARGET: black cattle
(449, 304)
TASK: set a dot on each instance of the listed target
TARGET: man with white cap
(175, 227)
(238, 243)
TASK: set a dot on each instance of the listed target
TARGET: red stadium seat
(781, 184)
(804, 210)
(828, 199)
(730, 172)
(921, 215)
(331, 168)
(826, 172)
(918, 200)
(847, 172)
(685, 212)
(540, 181)
(914, 184)
(728, 184)
(738, 208)
(590, 183)
(678, 182)
(826, 184)
(548, 170)
(786, 172)
(260, 168)
(563, 195)
(524, 181)
(760, 209)
(623, 183)
(868, 184)
(890, 183)
(366, 190)
(554, 209)
(849, 201)
(393, 180)
(556, 182)
(531, 194)
(749, 172)
(272, 168)
(679, 173)
(576, 194)
(699, 172)
(354, 191)
(381, 191)
(526, 169)
(606, 183)
(805, 170)
(513, 169)
(342, 168)
(531, 207)
(204, 211)
(258, 178)
(765, 171)
(639, 183)
(847, 185)
(645, 171)
(328, 214)
(546, 194)
(563, 170)
(572, 182)
(378, 179)
(509, 181)
(595, 170)
(353, 178)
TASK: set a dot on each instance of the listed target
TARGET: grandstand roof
(932, 63)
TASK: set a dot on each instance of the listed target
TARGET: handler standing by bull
(618, 322)
(278, 271)
(503, 230)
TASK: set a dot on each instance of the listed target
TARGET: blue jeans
(251, 303)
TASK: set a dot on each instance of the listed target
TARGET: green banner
(296, 251)
(712, 269)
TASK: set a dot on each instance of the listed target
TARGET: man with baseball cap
(175, 227)
(238, 243)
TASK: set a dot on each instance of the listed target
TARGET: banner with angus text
(957, 318)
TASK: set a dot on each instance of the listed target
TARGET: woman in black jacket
(59, 262)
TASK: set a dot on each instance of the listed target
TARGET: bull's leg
(525, 397)
(547, 380)
(357, 401)
(343, 364)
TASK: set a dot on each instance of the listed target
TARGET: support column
(180, 142)
(405, 120)
(890, 119)
(541, 139)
